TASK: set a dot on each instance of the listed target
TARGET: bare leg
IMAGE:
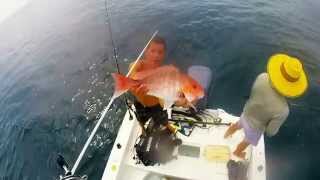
(240, 149)
(232, 129)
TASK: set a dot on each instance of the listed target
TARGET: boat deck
(122, 166)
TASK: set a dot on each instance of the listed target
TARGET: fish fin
(169, 113)
(192, 106)
(167, 104)
(122, 84)
(163, 93)
(161, 102)
(166, 98)
(188, 97)
(159, 93)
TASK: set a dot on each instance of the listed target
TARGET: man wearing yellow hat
(267, 108)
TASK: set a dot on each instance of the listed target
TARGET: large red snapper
(166, 83)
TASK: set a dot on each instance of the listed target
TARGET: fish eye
(194, 86)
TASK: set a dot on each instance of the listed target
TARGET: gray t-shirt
(266, 110)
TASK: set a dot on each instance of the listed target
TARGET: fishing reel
(67, 173)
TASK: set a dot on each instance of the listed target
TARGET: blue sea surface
(56, 59)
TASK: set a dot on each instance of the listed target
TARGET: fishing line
(105, 110)
(115, 54)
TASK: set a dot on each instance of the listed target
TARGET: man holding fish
(175, 86)
(157, 88)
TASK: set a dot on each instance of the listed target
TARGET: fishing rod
(196, 118)
(69, 175)
(199, 122)
(104, 112)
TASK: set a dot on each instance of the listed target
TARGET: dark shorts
(155, 112)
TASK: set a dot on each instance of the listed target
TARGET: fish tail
(122, 84)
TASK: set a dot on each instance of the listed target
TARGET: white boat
(122, 166)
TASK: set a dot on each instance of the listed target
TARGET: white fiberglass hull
(122, 166)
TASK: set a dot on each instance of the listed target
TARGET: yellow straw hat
(287, 75)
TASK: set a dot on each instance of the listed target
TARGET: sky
(9, 7)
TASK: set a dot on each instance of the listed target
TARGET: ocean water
(56, 60)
